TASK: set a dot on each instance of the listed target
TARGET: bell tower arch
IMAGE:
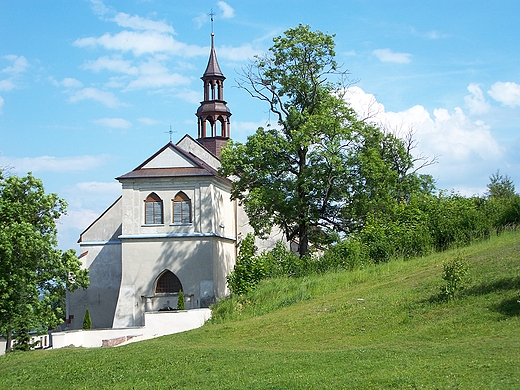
(213, 113)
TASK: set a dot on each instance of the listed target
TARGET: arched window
(153, 210)
(167, 283)
(181, 208)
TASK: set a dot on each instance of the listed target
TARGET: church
(174, 227)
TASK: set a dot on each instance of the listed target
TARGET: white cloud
(20, 64)
(154, 74)
(147, 121)
(464, 147)
(74, 219)
(242, 53)
(98, 7)
(68, 83)
(7, 85)
(244, 129)
(507, 93)
(87, 201)
(117, 82)
(116, 123)
(137, 23)
(387, 55)
(365, 104)
(227, 11)
(476, 102)
(189, 96)
(1, 103)
(139, 43)
(96, 186)
(54, 164)
(71, 83)
(114, 64)
(432, 34)
(106, 98)
(200, 20)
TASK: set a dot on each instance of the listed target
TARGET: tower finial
(170, 132)
(211, 14)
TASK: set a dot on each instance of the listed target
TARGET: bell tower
(213, 114)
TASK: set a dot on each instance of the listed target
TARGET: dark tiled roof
(166, 172)
(213, 69)
(201, 168)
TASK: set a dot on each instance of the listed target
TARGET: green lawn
(377, 328)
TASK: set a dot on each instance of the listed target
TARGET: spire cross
(170, 132)
(211, 14)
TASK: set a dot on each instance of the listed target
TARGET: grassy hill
(378, 328)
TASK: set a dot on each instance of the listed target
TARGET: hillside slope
(381, 327)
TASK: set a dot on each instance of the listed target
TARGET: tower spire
(213, 112)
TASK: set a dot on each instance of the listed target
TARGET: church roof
(172, 161)
(213, 69)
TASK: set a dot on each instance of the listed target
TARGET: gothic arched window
(153, 210)
(167, 283)
(181, 208)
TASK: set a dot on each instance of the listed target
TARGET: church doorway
(165, 292)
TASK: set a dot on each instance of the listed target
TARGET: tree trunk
(304, 239)
(9, 340)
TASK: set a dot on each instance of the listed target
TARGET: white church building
(174, 228)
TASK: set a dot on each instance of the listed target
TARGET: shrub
(348, 254)
(280, 261)
(511, 212)
(249, 269)
(180, 301)
(455, 271)
(87, 321)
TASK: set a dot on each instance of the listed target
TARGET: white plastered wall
(101, 255)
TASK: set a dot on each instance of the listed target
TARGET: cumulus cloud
(54, 164)
(137, 23)
(87, 200)
(200, 20)
(476, 102)
(227, 11)
(78, 219)
(244, 129)
(71, 83)
(7, 85)
(99, 7)
(113, 64)
(154, 74)
(115, 123)
(465, 148)
(451, 134)
(139, 43)
(67, 83)
(387, 55)
(189, 96)
(241, 53)
(19, 66)
(147, 121)
(507, 93)
(103, 97)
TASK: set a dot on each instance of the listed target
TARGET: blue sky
(90, 88)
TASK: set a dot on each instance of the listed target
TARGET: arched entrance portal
(165, 292)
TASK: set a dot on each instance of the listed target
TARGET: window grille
(181, 208)
(168, 282)
(153, 210)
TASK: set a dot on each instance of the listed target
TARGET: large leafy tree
(34, 274)
(322, 167)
